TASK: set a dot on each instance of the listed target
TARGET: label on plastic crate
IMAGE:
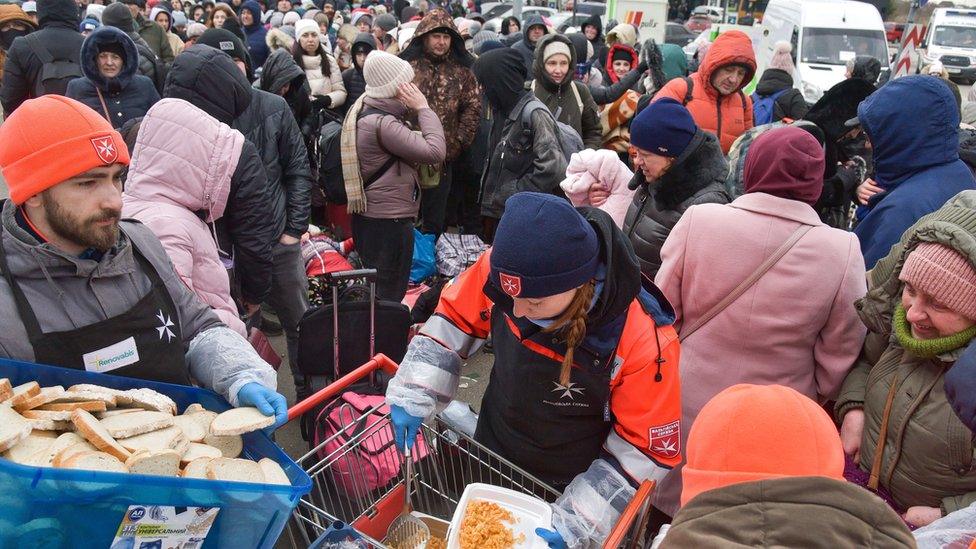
(160, 526)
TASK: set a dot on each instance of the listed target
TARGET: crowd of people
(763, 305)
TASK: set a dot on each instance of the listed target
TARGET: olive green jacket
(807, 512)
(928, 454)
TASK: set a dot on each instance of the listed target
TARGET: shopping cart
(452, 461)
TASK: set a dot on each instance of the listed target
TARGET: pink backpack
(361, 447)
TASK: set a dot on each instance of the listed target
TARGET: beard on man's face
(89, 232)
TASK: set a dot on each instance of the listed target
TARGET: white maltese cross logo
(165, 323)
(570, 390)
(511, 285)
(105, 149)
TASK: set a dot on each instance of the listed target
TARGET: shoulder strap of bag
(747, 283)
(690, 86)
(379, 141)
(104, 106)
(36, 46)
(742, 97)
(579, 100)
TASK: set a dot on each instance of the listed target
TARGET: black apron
(144, 342)
(551, 431)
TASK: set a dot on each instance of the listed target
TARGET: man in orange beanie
(765, 468)
(81, 289)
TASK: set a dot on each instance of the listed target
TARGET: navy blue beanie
(542, 247)
(665, 127)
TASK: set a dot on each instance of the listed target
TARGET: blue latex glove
(960, 387)
(267, 401)
(551, 537)
(404, 422)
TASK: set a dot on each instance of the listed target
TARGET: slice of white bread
(36, 441)
(94, 432)
(194, 408)
(87, 405)
(66, 453)
(196, 451)
(116, 412)
(47, 394)
(238, 421)
(273, 473)
(50, 425)
(197, 468)
(182, 444)
(204, 418)
(121, 398)
(161, 439)
(164, 463)
(192, 429)
(235, 470)
(230, 446)
(148, 399)
(130, 425)
(95, 461)
(45, 458)
(13, 428)
(56, 415)
(24, 392)
(88, 396)
(6, 389)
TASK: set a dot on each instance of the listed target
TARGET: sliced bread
(88, 396)
(65, 453)
(50, 425)
(148, 399)
(94, 432)
(87, 405)
(273, 473)
(95, 461)
(130, 425)
(196, 451)
(116, 412)
(230, 446)
(13, 428)
(35, 442)
(47, 394)
(235, 470)
(45, 458)
(161, 439)
(6, 389)
(238, 421)
(197, 468)
(194, 408)
(56, 415)
(163, 463)
(24, 392)
(192, 429)
(182, 444)
(204, 418)
(121, 398)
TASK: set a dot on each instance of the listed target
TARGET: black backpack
(55, 73)
(159, 69)
(330, 160)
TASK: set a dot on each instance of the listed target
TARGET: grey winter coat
(396, 194)
(516, 165)
(67, 292)
(696, 177)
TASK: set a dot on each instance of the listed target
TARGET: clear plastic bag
(427, 378)
(954, 530)
(590, 506)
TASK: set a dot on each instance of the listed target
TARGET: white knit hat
(384, 72)
(306, 25)
(291, 18)
(556, 47)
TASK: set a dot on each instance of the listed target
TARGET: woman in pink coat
(796, 325)
(187, 171)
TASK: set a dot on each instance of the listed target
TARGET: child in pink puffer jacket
(599, 166)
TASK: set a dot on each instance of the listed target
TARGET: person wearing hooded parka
(112, 86)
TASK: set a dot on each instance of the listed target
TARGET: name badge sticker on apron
(112, 357)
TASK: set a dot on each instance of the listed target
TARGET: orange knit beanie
(51, 139)
(755, 432)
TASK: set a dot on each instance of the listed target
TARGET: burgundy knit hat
(944, 274)
(786, 162)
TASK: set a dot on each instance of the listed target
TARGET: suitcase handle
(341, 276)
(378, 362)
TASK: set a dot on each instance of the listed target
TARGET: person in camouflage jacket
(442, 69)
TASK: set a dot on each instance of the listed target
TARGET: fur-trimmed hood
(277, 39)
(103, 36)
(701, 164)
(438, 20)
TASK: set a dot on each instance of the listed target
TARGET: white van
(951, 38)
(825, 34)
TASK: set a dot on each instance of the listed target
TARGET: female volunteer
(585, 382)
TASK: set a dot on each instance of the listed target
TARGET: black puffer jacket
(789, 105)
(128, 95)
(209, 79)
(352, 77)
(59, 34)
(696, 177)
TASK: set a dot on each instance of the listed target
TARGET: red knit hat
(52, 138)
(755, 432)
(944, 274)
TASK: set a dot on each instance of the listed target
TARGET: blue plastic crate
(87, 506)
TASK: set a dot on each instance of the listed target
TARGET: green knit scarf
(927, 348)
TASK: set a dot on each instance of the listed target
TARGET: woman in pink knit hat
(899, 430)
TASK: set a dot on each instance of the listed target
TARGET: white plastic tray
(529, 512)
